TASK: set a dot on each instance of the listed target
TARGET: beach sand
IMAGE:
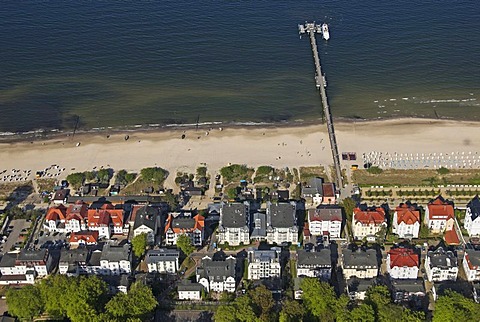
(276, 146)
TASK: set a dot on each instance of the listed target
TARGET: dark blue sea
(126, 63)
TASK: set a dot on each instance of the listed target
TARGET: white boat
(325, 32)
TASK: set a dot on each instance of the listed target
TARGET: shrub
(374, 170)
(443, 171)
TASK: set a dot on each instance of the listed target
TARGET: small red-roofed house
(329, 195)
(402, 263)
(439, 215)
(406, 221)
(451, 237)
(55, 219)
(83, 238)
(367, 223)
(77, 215)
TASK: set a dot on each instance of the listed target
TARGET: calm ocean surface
(119, 63)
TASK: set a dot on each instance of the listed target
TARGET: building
(325, 220)
(264, 263)
(177, 225)
(163, 260)
(282, 223)
(73, 261)
(315, 264)
(360, 264)
(439, 215)
(406, 221)
(26, 260)
(106, 220)
(77, 215)
(441, 265)
(259, 227)
(147, 221)
(471, 264)
(117, 283)
(60, 196)
(313, 190)
(368, 223)
(115, 260)
(83, 238)
(357, 287)
(408, 291)
(55, 218)
(329, 196)
(472, 217)
(402, 263)
(189, 291)
(217, 276)
(234, 226)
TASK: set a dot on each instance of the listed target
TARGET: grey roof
(474, 206)
(214, 208)
(32, 255)
(360, 284)
(410, 286)
(73, 256)
(94, 259)
(8, 260)
(321, 258)
(360, 258)
(473, 256)
(161, 255)
(4, 318)
(281, 215)
(325, 213)
(115, 253)
(442, 258)
(117, 280)
(217, 270)
(183, 223)
(271, 255)
(234, 215)
(147, 215)
(259, 225)
(188, 286)
(314, 186)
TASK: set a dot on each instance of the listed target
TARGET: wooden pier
(321, 83)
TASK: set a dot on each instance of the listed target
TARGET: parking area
(49, 240)
(15, 234)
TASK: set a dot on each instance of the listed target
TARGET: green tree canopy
(139, 244)
(76, 179)
(225, 313)
(291, 311)
(104, 175)
(319, 299)
(56, 291)
(124, 178)
(156, 174)
(262, 302)
(453, 307)
(185, 244)
(25, 303)
(348, 205)
(139, 304)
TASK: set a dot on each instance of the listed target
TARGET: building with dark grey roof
(73, 261)
(315, 264)
(115, 260)
(471, 264)
(38, 261)
(313, 189)
(147, 221)
(360, 264)
(217, 276)
(282, 223)
(441, 265)
(263, 263)
(472, 217)
(189, 291)
(117, 283)
(325, 220)
(259, 226)
(357, 287)
(408, 291)
(162, 260)
(234, 223)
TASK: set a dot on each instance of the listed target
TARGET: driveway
(17, 226)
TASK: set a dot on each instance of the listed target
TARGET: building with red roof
(77, 215)
(85, 237)
(107, 220)
(368, 222)
(183, 224)
(55, 219)
(402, 263)
(439, 215)
(406, 221)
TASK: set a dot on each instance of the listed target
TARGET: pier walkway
(320, 82)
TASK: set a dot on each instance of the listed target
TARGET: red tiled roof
(407, 214)
(56, 213)
(439, 209)
(135, 209)
(199, 223)
(77, 211)
(328, 190)
(375, 217)
(401, 257)
(105, 215)
(306, 229)
(451, 237)
(87, 236)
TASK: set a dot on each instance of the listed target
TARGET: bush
(234, 171)
(374, 170)
(201, 172)
(443, 171)
(264, 170)
(76, 179)
(155, 174)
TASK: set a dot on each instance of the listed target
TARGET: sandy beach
(275, 146)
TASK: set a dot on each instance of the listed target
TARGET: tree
(348, 205)
(139, 244)
(104, 175)
(76, 179)
(453, 307)
(90, 175)
(362, 313)
(88, 298)
(244, 309)
(124, 178)
(56, 291)
(171, 200)
(263, 303)
(185, 244)
(378, 297)
(25, 303)
(319, 299)
(201, 172)
(225, 313)
(155, 174)
(139, 304)
(292, 311)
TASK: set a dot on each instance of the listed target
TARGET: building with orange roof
(402, 263)
(107, 220)
(77, 215)
(368, 222)
(406, 221)
(55, 219)
(439, 215)
(85, 237)
(184, 224)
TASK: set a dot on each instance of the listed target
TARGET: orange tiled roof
(199, 223)
(135, 209)
(451, 237)
(56, 213)
(401, 257)
(105, 215)
(77, 211)
(328, 190)
(407, 214)
(367, 217)
(440, 209)
(86, 236)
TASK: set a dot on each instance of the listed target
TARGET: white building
(314, 264)
(26, 260)
(282, 223)
(189, 291)
(163, 260)
(360, 264)
(264, 263)
(217, 276)
(367, 223)
(325, 220)
(147, 221)
(116, 260)
(73, 262)
(406, 221)
(439, 215)
(471, 264)
(441, 265)
(402, 263)
(178, 224)
(234, 223)
(472, 217)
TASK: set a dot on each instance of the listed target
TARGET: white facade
(196, 237)
(282, 235)
(143, 229)
(228, 285)
(470, 265)
(74, 226)
(472, 225)
(234, 236)
(263, 264)
(189, 295)
(115, 267)
(162, 267)
(447, 271)
(367, 231)
(164, 261)
(401, 272)
(334, 227)
(404, 230)
(369, 272)
(103, 231)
